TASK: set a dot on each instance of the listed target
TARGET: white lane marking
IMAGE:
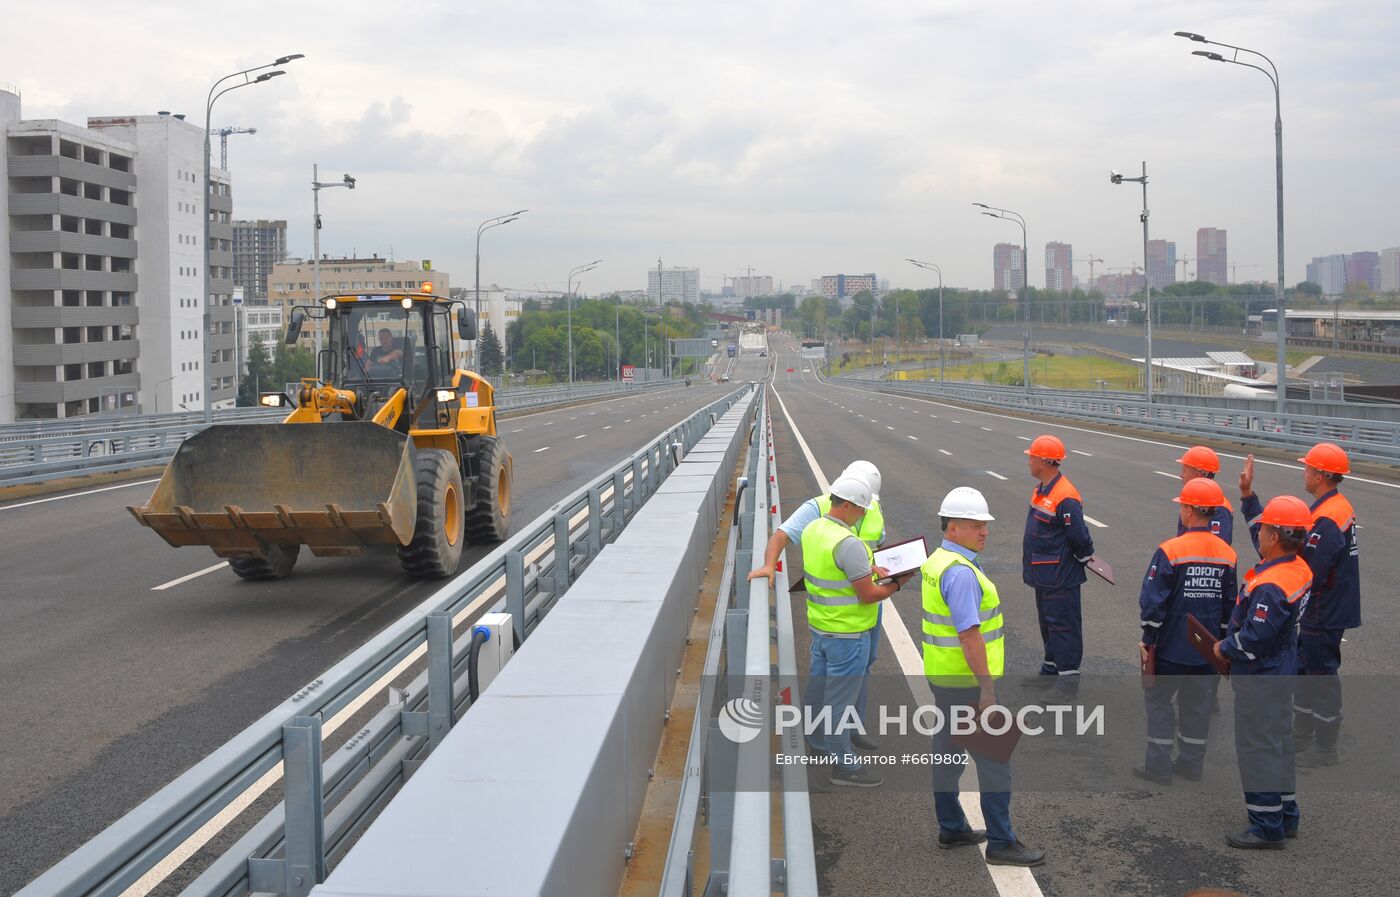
(195, 575)
(989, 429)
(1163, 473)
(995, 474)
(538, 450)
(907, 436)
(1024, 438)
(934, 415)
(1088, 519)
(1010, 881)
(1085, 454)
(575, 417)
(550, 423)
(629, 420)
(580, 436)
(517, 430)
(609, 426)
(40, 501)
(946, 452)
(888, 427)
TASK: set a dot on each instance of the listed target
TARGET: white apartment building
(673, 285)
(1388, 280)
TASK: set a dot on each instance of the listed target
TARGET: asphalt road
(1114, 838)
(125, 661)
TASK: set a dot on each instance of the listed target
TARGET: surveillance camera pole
(1147, 367)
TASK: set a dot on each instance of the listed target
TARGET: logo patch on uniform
(1068, 518)
(1261, 613)
(1152, 573)
(1215, 527)
(1314, 539)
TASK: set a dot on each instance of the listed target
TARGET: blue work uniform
(1194, 574)
(1331, 552)
(1053, 553)
(1262, 647)
(1222, 524)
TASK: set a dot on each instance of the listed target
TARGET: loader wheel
(489, 519)
(438, 533)
(278, 563)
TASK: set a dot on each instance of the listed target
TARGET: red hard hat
(1288, 512)
(1201, 458)
(1201, 493)
(1048, 447)
(1328, 458)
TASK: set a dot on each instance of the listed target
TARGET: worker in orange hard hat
(1201, 461)
(1261, 646)
(1332, 553)
(1054, 550)
(1191, 574)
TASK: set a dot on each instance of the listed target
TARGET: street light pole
(316, 187)
(932, 267)
(482, 228)
(569, 298)
(1280, 300)
(1116, 178)
(1007, 214)
(207, 319)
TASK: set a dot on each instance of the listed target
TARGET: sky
(799, 138)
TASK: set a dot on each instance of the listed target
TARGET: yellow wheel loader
(391, 444)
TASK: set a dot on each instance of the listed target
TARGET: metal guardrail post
(515, 592)
(595, 521)
(619, 503)
(439, 676)
(563, 555)
(639, 484)
(305, 809)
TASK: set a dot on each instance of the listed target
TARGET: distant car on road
(724, 379)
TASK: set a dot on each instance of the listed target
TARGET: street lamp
(932, 267)
(316, 187)
(1272, 74)
(482, 228)
(1116, 178)
(1007, 214)
(581, 269)
(214, 93)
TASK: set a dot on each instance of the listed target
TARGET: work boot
(859, 778)
(1039, 680)
(1316, 756)
(1193, 775)
(1014, 854)
(1147, 775)
(949, 840)
(1247, 840)
(1303, 739)
(863, 742)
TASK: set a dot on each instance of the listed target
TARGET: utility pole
(1117, 178)
(316, 187)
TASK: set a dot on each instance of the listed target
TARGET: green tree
(258, 375)
(492, 357)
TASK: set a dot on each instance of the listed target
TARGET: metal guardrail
(331, 795)
(740, 820)
(1364, 440)
(29, 455)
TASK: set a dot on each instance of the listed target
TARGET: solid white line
(907, 436)
(946, 452)
(1078, 452)
(195, 575)
(1010, 881)
(40, 501)
(538, 450)
(1088, 519)
(995, 474)
(1163, 473)
(580, 436)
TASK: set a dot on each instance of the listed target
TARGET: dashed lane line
(580, 436)
(1163, 473)
(946, 452)
(1100, 525)
(1024, 438)
(995, 474)
(186, 578)
(538, 450)
(1085, 454)
(907, 436)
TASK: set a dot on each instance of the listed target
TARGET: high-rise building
(1212, 262)
(257, 246)
(1161, 263)
(1007, 273)
(1388, 271)
(1059, 267)
(1330, 273)
(1362, 269)
(749, 286)
(844, 286)
(673, 285)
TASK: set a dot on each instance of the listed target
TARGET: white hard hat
(853, 490)
(965, 503)
(867, 473)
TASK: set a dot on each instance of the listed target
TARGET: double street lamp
(216, 91)
(930, 266)
(1272, 74)
(481, 229)
(573, 272)
(1116, 178)
(1007, 214)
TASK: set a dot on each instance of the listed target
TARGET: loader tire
(489, 519)
(278, 563)
(438, 532)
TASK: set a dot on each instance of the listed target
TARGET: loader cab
(379, 343)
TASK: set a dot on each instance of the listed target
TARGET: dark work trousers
(1062, 632)
(993, 777)
(1317, 706)
(1264, 746)
(1184, 726)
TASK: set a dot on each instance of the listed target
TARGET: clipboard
(1204, 642)
(906, 552)
(1100, 568)
(994, 747)
(1149, 667)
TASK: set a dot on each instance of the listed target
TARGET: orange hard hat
(1048, 447)
(1328, 458)
(1201, 493)
(1201, 458)
(1288, 512)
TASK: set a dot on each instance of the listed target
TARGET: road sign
(628, 373)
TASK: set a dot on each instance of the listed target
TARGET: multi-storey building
(1330, 273)
(257, 246)
(1212, 260)
(1362, 269)
(1059, 267)
(844, 286)
(293, 282)
(1388, 271)
(749, 286)
(1007, 273)
(673, 285)
(1161, 263)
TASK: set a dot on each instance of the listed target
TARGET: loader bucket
(334, 487)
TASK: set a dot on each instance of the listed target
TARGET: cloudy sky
(802, 138)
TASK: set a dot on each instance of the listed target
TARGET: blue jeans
(996, 803)
(839, 680)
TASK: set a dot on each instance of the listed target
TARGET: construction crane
(1092, 261)
(1233, 268)
(1182, 262)
(223, 141)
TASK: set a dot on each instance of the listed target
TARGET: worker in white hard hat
(964, 655)
(870, 530)
(839, 572)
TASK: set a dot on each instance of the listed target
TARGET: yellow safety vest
(871, 527)
(832, 605)
(944, 662)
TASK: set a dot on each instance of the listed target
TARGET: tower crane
(1182, 262)
(223, 134)
(1233, 268)
(1092, 261)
